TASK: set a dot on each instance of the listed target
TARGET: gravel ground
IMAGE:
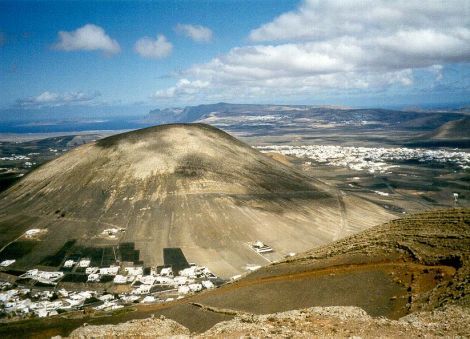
(334, 321)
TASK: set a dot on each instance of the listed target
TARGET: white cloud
(319, 20)
(338, 46)
(153, 48)
(87, 38)
(52, 99)
(197, 33)
(184, 87)
(449, 46)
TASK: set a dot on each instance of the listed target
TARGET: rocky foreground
(334, 321)
(425, 293)
(407, 278)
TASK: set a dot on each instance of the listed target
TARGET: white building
(260, 247)
(42, 276)
(106, 297)
(84, 263)
(184, 289)
(34, 232)
(90, 270)
(252, 268)
(235, 277)
(41, 313)
(134, 270)
(149, 299)
(129, 298)
(6, 263)
(94, 277)
(195, 272)
(120, 279)
(69, 263)
(112, 270)
(142, 289)
(195, 287)
(207, 284)
(180, 280)
(108, 306)
(148, 279)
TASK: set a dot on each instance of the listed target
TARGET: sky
(118, 57)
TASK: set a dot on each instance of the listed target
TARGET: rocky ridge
(334, 321)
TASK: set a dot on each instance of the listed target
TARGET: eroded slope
(188, 186)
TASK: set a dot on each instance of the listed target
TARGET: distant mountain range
(225, 114)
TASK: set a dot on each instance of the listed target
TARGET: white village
(38, 293)
(18, 300)
(370, 159)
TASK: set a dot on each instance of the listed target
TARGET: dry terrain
(188, 186)
(406, 277)
(333, 321)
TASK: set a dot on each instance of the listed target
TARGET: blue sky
(138, 55)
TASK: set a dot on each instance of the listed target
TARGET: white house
(120, 279)
(142, 289)
(112, 270)
(208, 284)
(106, 297)
(260, 247)
(134, 270)
(148, 279)
(84, 263)
(43, 276)
(94, 277)
(184, 289)
(90, 270)
(195, 287)
(6, 263)
(69, 263)
(179, 280)
(149, 299)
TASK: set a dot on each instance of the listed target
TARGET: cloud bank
(336, 46)
(153, 48)
(87, 38)
(52, 99)
(324, 20)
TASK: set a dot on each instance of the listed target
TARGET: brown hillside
(406, 266)
(186, 185)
